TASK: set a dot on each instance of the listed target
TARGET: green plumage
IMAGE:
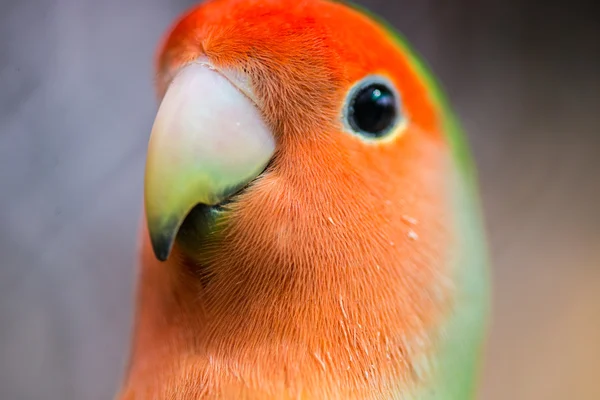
(455, 367)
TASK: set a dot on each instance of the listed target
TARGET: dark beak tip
(162, 244)
(161, 256)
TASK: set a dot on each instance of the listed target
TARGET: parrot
(312, 224)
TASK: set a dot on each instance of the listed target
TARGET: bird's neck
(284, 339)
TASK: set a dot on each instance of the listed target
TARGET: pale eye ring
(373, 108)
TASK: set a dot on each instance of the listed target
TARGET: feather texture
(339, 272)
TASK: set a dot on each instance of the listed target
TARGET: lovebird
(312, 221)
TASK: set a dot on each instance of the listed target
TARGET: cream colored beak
(208, 141)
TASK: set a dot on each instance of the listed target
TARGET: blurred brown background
(76, 108)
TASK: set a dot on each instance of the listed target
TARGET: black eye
(372, 109)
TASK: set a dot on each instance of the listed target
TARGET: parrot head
(304, 211)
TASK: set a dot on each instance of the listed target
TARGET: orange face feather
(327, 277)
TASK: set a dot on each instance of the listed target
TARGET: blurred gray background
(76, 108)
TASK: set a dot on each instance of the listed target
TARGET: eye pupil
(373, 110)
